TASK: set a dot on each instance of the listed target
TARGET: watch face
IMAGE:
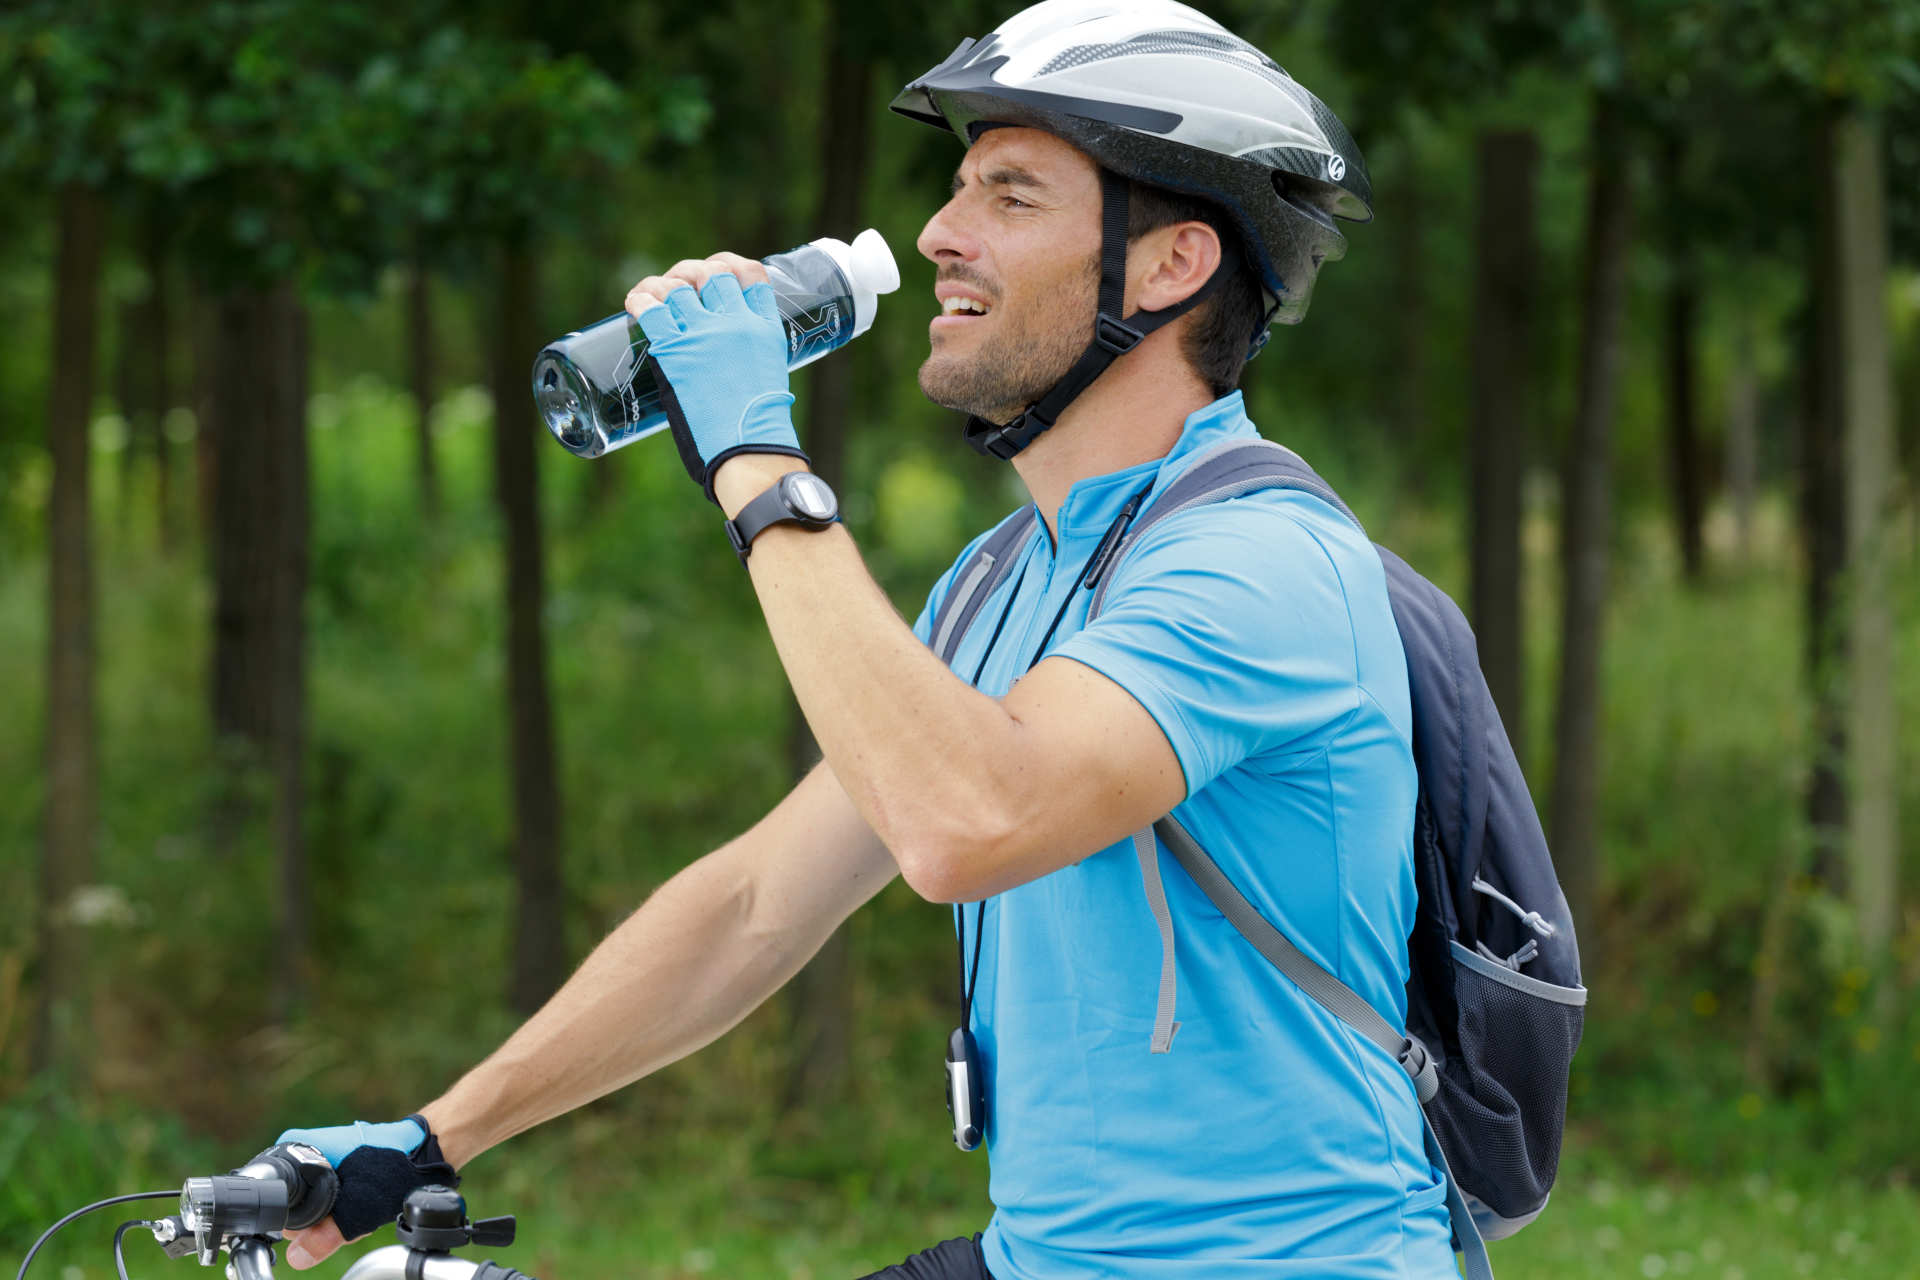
(809, 497)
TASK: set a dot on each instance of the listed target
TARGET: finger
(305, 1248)
(749, 271)
(685, 305)
(760, 298)
(722, 293)
(648, 293)
(692, 271)
(657, 320)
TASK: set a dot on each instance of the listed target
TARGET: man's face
(1019, 239)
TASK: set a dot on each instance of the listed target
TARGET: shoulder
(1281, 547)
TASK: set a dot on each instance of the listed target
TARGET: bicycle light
(286, 1186)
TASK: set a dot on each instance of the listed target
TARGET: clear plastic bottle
(596, 392)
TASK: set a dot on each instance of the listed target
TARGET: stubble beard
(1018, 363)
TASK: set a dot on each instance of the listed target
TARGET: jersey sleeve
(1230, 625)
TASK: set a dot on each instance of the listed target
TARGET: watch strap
(765, 511)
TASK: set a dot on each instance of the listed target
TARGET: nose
(946, 238)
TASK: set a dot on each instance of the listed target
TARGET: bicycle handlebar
(432, 1222)
(391, 1262)
(253, 1259)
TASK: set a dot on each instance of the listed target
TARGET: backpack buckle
(1418, 1064)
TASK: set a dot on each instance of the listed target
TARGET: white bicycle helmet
(1159, 93)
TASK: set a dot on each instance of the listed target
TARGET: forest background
(343, 712)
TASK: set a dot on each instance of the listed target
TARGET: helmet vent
(1196, 43)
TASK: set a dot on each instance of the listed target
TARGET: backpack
(1495, 1005)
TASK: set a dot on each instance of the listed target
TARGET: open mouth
(959, 306)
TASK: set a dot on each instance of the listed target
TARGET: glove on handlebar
(378, 1165)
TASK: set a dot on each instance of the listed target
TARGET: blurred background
(343, 712)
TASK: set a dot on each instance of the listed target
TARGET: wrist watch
(799, 497)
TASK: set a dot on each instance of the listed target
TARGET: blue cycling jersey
(1272, 1140)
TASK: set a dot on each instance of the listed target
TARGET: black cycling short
(952, 1260)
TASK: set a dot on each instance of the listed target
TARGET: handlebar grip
(491, 1270)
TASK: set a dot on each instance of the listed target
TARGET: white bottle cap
(869, 268)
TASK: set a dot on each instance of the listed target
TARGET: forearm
(925, 757)
(688, 965)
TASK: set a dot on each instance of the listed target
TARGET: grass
(607, 1193)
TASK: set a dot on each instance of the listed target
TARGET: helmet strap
(1113, 336)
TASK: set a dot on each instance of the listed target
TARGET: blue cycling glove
(378, 1165)
(722, 359)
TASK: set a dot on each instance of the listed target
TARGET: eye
(1014, 202)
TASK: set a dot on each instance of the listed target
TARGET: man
(1244, 672)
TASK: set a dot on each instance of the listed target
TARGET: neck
(1132, 413)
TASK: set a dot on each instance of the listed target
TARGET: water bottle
(596, 391)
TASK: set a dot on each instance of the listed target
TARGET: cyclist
(1139, 161)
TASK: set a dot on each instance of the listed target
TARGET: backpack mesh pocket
(1503, 1102)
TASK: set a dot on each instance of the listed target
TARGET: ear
(1172, 263)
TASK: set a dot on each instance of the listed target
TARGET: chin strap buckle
(1114, 336)
(994, 440)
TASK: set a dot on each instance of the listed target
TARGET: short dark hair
(1217, 340)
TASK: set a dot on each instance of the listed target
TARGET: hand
(721, 353)
(378, 1165)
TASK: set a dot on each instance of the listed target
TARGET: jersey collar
(1092, 503)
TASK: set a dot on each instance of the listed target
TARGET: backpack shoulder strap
(1225, 471)
(975, 580)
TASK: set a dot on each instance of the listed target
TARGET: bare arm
(704, 951)
(973, 794)
(701, 954)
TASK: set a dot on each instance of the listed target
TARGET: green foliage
(57, 1154)
(316, 138)
(1448, 56)
(335, 140)
(1863, 49)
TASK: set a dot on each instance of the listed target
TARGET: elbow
(953, 840)
(955, 866)
(932, 873)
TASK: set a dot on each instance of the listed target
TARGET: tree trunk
(420, 371)
(1856, 187)
(157, 347)
(1408, 238)
(289, 751)
(1824, 524)
(1683, 330)
(1743, 436)
(204, 334)
(247, 526)
(822, 1001)
(1585, 515)
(130, 395)
(67, 853)
(1503, 409)
(261, 513)
(539, 947)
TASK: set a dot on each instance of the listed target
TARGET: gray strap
(1328, 991)
(1224, 471)
(1149, 854)
(1341, 1001)
(963, 593)
(976, 581)
(1466, 1232)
